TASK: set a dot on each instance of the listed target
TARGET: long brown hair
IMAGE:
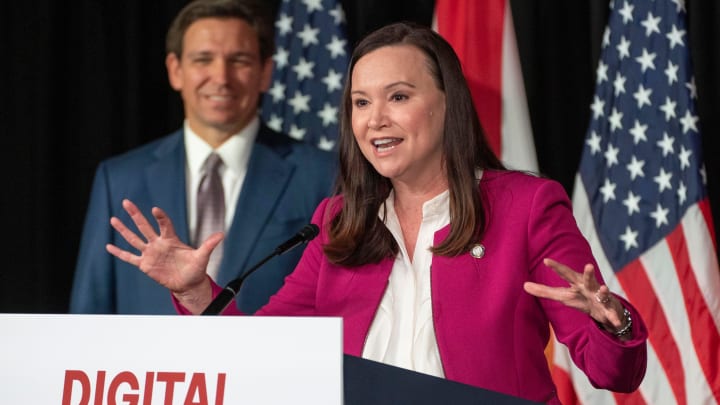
(357, 235)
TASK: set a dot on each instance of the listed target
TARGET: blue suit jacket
(285, 181)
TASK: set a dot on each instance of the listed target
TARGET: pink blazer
(490, 332)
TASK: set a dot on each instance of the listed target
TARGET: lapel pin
(477, 251)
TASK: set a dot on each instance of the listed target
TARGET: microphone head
(309, 232)
(306, 234)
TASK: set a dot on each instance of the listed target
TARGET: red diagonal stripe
(640, 292)
(702, 326)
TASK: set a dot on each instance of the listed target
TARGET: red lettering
(199, 388)
(79, 376)
(170, 379)
(220, 389)
(100, 387)
(196, 394)
(125, 377)
(149, 384)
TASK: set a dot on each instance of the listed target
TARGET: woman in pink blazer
(436, 257)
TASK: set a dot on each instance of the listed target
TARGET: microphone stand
(233, 287)
(230, 291)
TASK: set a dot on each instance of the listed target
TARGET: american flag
(640, 199)
(310, 59)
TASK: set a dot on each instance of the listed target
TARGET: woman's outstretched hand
(583, 293)
(166, 259)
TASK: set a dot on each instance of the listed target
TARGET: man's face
(219, 75)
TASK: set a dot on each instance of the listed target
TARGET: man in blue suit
(219, 58)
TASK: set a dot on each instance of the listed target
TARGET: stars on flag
(642, 203)
(643, 141)
(310, 61)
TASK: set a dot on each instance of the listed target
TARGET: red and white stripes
(483, 36)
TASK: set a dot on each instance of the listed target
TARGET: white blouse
(402, 333)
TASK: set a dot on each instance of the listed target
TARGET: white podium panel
(168, 360)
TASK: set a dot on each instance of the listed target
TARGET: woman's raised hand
(163, 257)
(583, 293)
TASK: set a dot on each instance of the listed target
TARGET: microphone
(306, 234)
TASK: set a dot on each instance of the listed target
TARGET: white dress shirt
(235, 153)
(402, 333)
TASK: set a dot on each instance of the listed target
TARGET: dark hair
(357, 234)
(255, 12)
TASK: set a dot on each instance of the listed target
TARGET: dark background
(83, 80)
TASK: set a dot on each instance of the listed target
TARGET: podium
(149, 360)
(169, 360)
(368, 382)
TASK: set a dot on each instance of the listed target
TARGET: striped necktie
(211, 209)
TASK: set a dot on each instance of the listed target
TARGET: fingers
(567, 274)
(210, 243)
(583, 291)
(602, 295)
(538, 290)
(123, 254)
(140, 221)
(126, 233)
(586, 280)
(544, 291)
(589, 279)
(166, 226)
(167, 229)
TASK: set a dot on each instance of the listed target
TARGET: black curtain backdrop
(85, 79)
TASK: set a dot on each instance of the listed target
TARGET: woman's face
(398, 114)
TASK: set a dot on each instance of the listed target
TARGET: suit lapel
(166, 183)
(266, 179)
